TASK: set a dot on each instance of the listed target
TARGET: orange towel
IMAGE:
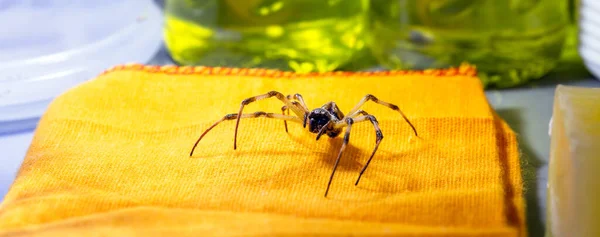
(111, 157)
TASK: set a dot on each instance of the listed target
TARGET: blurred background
(511, 42)
(47, 47)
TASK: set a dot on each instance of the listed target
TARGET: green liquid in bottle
(297, 35)
(510, 41)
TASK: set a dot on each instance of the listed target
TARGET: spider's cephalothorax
(318, 119)
(328, 119)
(323, 120)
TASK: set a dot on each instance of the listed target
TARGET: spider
(327, 119)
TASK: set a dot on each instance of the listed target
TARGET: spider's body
(328, 119)
(324, 117)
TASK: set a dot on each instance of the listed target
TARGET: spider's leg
(284, 109)
(358, 112)
(332, 108)
(386, 104)
(252, 115)
(302, 105)
(299, 98)
(298, 111)
(324, 128)
(348, 122)
(378, 134)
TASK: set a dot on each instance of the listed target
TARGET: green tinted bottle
(297, 35)
(510, 41)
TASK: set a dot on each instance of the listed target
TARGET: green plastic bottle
(510, 41)
(296, 35)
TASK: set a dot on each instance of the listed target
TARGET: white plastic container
(47, 47)
(589, 35)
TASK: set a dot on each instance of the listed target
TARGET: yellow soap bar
(573, 207)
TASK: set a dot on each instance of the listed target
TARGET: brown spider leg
(286, 109)
(386, 104)
(348, 122)
(298, 111)
(379, 137)
(253, 115)
(299, 98)
(359, 112)
(323, 129)
(283, 109)
(304, 120)
(334, 110)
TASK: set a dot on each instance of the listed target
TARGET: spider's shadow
(325, 151)
(352, 161)
(349, 161)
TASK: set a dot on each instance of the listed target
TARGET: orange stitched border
(464, 69)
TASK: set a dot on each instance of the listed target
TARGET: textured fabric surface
(111, 157)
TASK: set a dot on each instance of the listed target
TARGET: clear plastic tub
(47, 47)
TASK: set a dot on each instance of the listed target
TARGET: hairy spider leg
(334, 110)
(364, 116)
(370, 97)
(348, 123)
(358, 112)
(252, 115)
(300, 112)
(299, 98)
(327, 126)
(284, 109)
(378, 138)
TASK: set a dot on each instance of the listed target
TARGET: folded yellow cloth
(111, 157)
